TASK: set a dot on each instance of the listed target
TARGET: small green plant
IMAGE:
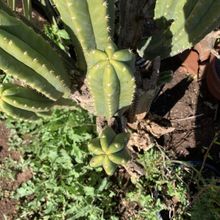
(58, 36)
(109, 150)
(206, 204)
(63, 186)
(162, 189)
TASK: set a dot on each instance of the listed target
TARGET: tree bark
(131, 22)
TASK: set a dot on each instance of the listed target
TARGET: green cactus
(90, 24)
(109, 150)
(12, 4)
(22, 103)
(111, 81)
(186, 23)
(27, 104)
(27, 56)
(27, 8)
(110, 76)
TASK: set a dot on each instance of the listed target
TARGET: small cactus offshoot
(109, 150)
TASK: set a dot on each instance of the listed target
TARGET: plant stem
(27, 8)
(11, 4)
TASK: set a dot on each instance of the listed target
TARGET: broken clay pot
(213, 77)
(190, 62)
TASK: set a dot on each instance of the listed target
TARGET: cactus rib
(17, 113)
(26, 103)
(16, 69)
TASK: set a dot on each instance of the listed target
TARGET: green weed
(206, 204)
(63, 186)
(162, 189)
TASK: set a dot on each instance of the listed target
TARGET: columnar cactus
(24, 103)
(89, 23)
(109, 150)
(110, 80)
(186, 21)
(27, 104)
(110, 76)
(26, 55)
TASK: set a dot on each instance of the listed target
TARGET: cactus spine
(36, 64)
(190, 22)
(110, 76)
(109, 150)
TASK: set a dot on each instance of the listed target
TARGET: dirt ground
(8, 206)
(194, 114)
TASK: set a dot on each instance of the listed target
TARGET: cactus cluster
(109, 150)
(184, 23)
(27, 56)
(109, 74)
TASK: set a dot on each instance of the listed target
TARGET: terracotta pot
(213, 77)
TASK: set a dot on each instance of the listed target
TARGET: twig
(191, 167)
(206, 155)
(216, 112)
(187, 118)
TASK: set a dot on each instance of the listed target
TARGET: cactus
(27, 104)
(22, 103)
(186, 21)
(27, 9)
(110, 77)
(111, 81)
(89, 24)
(27, 56)
(109, 150)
